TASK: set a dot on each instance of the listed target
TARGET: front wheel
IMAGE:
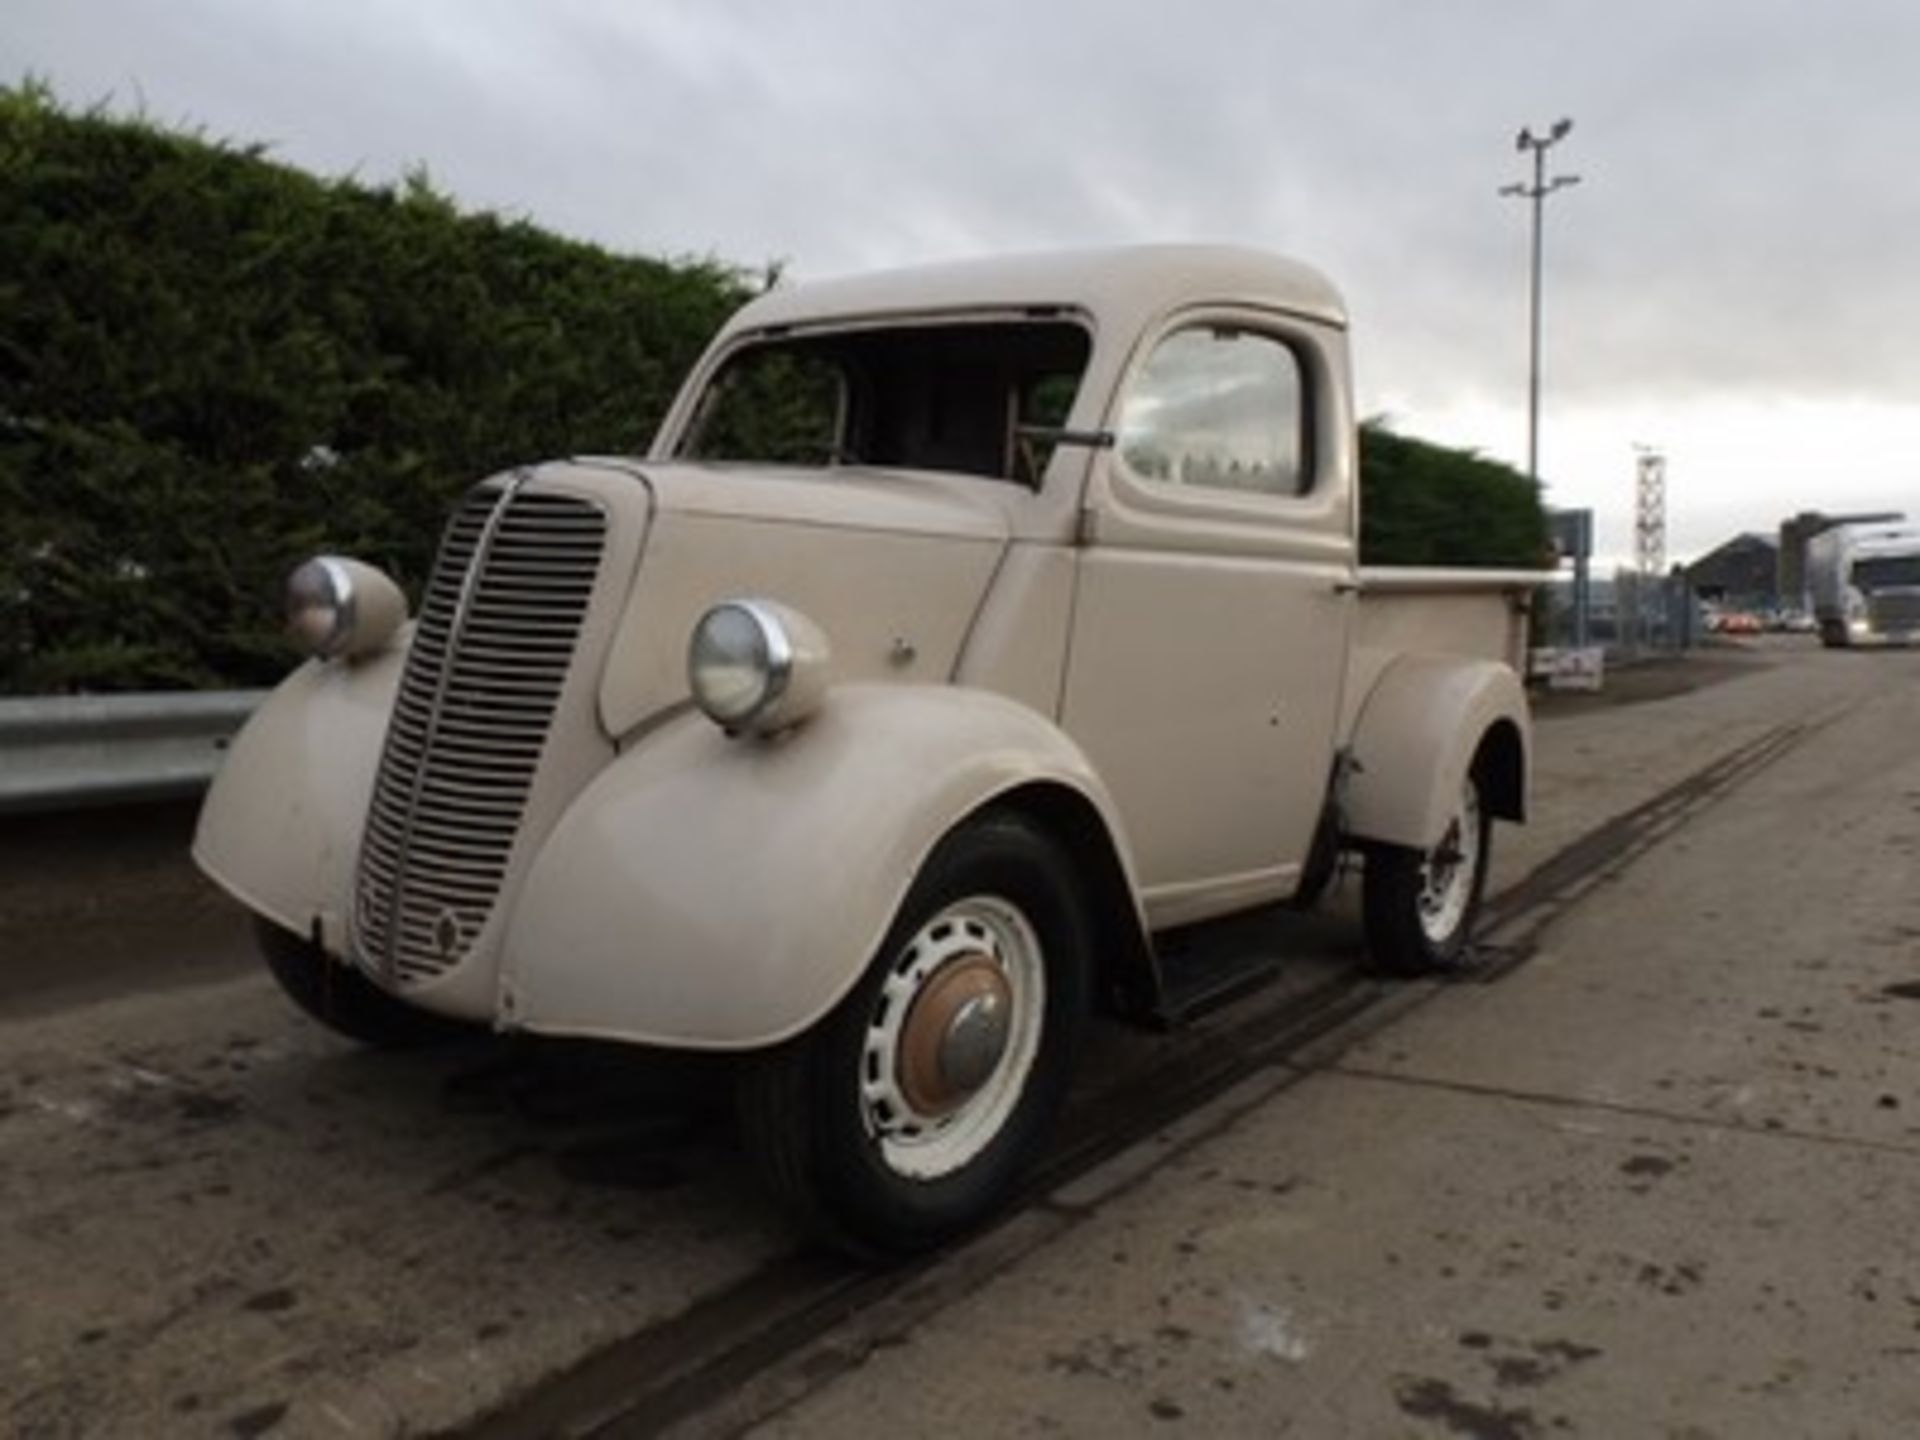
(909, 1114)
(1420, 904)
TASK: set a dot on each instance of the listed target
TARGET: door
(1213, 604)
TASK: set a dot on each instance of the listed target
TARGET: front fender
(280, 827)
(1419, 733)
(725, 894)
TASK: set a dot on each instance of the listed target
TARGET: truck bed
(1409, 610)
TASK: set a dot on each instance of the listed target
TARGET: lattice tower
(1650, 513)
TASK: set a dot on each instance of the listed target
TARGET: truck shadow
(606, 1115)
(272, 1112)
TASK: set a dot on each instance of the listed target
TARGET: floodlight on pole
(1537, 192)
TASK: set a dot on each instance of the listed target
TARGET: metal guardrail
(61, 752)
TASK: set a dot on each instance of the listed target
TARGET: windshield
(977, 398)
(1887, 572)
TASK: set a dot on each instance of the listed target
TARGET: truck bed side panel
(1433, 613)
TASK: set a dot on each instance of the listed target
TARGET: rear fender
(1428, 720)
(720, 893)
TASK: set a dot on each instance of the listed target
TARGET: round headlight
(320, 605)
(340, 607)
(756, 665)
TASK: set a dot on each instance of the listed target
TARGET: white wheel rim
(924, 1146)
(1449, 871)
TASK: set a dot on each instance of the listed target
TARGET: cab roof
(1123, 287)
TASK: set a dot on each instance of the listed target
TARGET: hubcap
(952, 1037)
(1451, 869)
(955, 1033)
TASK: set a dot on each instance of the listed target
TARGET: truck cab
(1865, 582)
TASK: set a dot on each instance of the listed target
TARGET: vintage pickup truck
(964, 630)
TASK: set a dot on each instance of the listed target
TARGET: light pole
(1537, 193)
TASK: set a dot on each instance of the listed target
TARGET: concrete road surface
(1663, 1180)
(1658, 1180)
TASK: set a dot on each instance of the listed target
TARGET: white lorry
(963, 630)
(1865, 583)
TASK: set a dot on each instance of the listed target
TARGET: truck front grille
(496, 635)
(1894, 609)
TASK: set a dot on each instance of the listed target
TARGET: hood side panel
(866, 589)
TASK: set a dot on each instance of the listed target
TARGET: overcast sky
(1732, 280)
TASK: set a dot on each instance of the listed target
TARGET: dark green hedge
(211, 364)
(1426, 504)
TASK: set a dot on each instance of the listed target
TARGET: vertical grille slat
(495, 640)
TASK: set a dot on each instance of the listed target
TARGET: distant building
(1742, 574)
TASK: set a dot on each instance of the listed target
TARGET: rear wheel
(343, 999)
(909, 1114)
(1420, 904)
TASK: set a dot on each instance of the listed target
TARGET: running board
(1207, 967)
(1191, 990)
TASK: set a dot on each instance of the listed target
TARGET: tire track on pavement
(746, 1353)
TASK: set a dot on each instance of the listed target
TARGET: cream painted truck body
(514, 814)
(1185, 663)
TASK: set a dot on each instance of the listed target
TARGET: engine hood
(892, 565)
(846, 497)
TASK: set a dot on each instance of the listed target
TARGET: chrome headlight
(756, 665)
(339, 607)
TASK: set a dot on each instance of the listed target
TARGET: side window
(1220, 407)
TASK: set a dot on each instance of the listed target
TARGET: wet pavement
(95, 904)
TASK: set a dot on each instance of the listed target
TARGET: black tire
(801, 1109)
(1833, 634)
(344, 1000)
(1406, 933)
